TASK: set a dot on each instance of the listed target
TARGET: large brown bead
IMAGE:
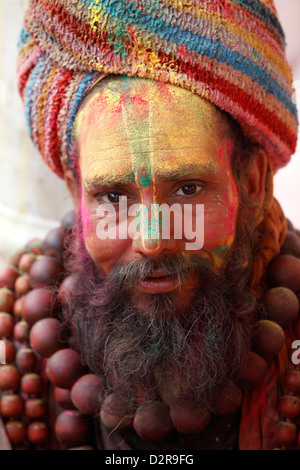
(117, 412)
(7, 299)
(38, 303)
(9, 377)
(31, 383)
(34, 246)
(16, 431)
(14, 257)
(284, 271)
(282, 305)
(229, 399)
(152, 421)
(68, 220)
(8, 277)
(292, 380)
(11, 406)
(26, 360)
(67, 287)
(26, 261)
(72, 428)
(6, 325)
(82, 448)
(63, 398)
(17, 308)
(21, 331)
(187, 419)
(296, 327)
(289, 406)
(35, 408)
(253, 372)
(285, 433)
(10, 351)
(45, 271)
(44, 336)
(268, 338)
(37, 432)
(85, 394)
(22, 284)
(54, 242)
(64, 368)
(291, 245)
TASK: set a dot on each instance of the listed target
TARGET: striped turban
(231, 53)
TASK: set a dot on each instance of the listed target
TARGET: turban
(231, 53)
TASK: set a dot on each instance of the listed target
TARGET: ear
(73, 186)
(255, 181)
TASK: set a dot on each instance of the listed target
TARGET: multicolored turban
(230, 52)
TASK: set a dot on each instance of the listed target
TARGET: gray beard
(159, 351)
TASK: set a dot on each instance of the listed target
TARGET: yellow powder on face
(142, 132)
(167, 136)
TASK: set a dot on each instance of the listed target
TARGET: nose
(154, 247)
(151, 239)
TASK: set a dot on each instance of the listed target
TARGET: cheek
(220, 225)
(104, 253)
(86, 218)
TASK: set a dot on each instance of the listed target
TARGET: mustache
(126, 275)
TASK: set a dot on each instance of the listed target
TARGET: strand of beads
(21, 405)
(73, 427)
(81, 395)
(30, 330)
(155, 420)
(282, 307)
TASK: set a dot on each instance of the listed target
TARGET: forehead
(127, 124)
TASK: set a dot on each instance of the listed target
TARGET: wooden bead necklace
(36, 354)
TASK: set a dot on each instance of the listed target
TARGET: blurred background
(32, 199)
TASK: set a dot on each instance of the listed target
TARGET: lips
(158, 282)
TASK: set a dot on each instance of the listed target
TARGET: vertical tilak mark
(133, 163)
(155, 214)
(144, 179)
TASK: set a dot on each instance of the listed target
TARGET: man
(166, 120)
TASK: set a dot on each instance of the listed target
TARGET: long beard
(162, 350)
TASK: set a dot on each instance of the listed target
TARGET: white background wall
(32, 199)
(287, 180)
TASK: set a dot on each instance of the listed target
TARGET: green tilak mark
(120, 35)
(140, 151)
(146, 226)
(140, 142)
(142, 166)
(146, 180)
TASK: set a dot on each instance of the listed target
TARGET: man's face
(152, 314)
(153, 143)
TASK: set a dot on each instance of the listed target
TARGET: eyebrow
(108, 180)
(182, 171)
(172, 174)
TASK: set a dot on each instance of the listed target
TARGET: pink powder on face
(86, 217)
(221, 154)
(229, 148)
(230, 197)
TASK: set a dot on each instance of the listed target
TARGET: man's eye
(188, 190)
(112, 198)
